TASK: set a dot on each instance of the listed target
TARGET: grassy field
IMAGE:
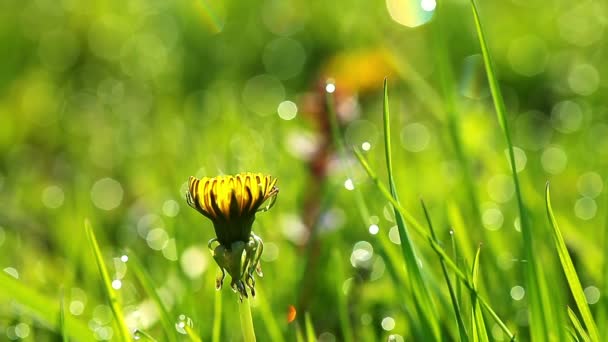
(440, 169)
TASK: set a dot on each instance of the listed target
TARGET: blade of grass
(217, 317)
(140, 333)
(192, 334)
(345, 324)
(579, 331)
(570, 272)
(480, 332)
(541, 310)
(147, 284)
(311, 336)
(64, 332)
(123, 331)
(435, 246)
(42, 308)
(423, 301)
(462, 331)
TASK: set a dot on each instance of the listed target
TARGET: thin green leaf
(462, 331)
(570, 272)
(147, 284)
(436, 247)
(345, 323)
(42, 308)
(267, 315)
(64, 331)
(217, 317)
(123, 331)
(424, 303)
(579, 331)
(192, 334)
(479, 326)
(541, 311)
(311, 336)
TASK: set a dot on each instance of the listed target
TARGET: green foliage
(107, 107)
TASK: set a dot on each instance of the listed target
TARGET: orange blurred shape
(291, 313)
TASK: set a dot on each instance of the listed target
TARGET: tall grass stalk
(434, 245)
(123, 330)
(570, 272)
(423, 301)
(542, 322)
(246, 320)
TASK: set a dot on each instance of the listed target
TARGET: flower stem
(246, 321)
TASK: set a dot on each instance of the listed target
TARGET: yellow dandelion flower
(231, 202)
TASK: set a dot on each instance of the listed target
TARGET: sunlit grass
(107, 108)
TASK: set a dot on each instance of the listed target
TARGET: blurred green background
(107, 107)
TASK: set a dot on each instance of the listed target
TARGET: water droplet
(374, 229)
(388, 323)
(124, 258)
(183, 320)
(362, 254)
(592, 294)
(349, 185)
(366, 146)
(76, 307)
(287, 110)
(517, 292)
(116, 284)
(411, 13)
(330, 88)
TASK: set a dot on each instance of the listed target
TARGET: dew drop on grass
(349, 185)
(362, 254)
(287, 110)
(374, 229)
(124, 258)
(517, 292)
(395, 338)
(388, 323)
(181, 323)
(12, 272)
(592, 294)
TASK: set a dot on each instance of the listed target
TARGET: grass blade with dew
(345, 324)
(579, 331)
(42, 308)
(570, 272)
(462, 331)
(192, 334)
(480, 333)
(541, 314)
(216, 333)
(424, 303)
(123, 330)
(147, 284)
(139, 334)
(434, 245)
(311, 336)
